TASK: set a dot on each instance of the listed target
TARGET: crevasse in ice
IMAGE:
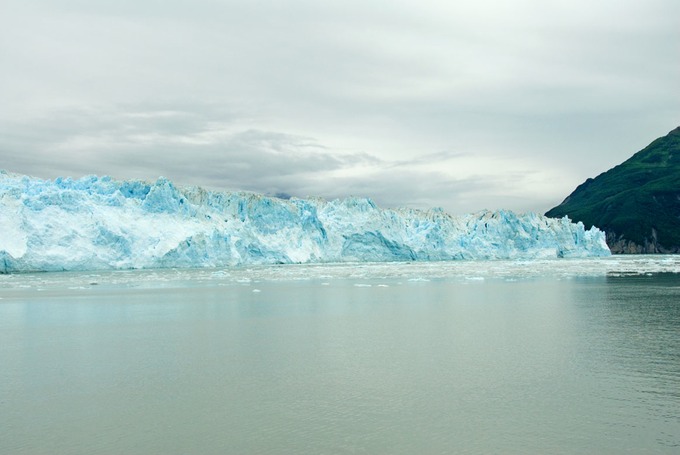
(99, 223)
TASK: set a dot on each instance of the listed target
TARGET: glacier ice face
(99, 223)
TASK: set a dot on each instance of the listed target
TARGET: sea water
(555, 356)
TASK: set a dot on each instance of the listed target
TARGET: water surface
(572, 356)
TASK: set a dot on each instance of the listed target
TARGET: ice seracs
(99, 223)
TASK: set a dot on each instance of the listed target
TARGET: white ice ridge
(100, 223)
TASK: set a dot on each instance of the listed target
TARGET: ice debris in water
(99, 223)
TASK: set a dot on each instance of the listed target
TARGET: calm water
(502, 357)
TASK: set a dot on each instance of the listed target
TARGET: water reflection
(631, 332)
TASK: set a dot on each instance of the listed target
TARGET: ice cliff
(99, 223)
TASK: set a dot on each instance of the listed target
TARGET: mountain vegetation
(637, 202)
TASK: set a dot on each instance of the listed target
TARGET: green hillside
(637, 202)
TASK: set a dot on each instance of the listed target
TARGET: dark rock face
(619, 245)
(637, 203)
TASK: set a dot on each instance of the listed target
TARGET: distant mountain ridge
(637, 202)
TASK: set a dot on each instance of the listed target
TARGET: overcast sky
(464, 105)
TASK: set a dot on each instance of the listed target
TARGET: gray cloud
(209, 150)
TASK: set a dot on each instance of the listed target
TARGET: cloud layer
(465, 106)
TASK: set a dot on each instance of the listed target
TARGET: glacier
(96, 223)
